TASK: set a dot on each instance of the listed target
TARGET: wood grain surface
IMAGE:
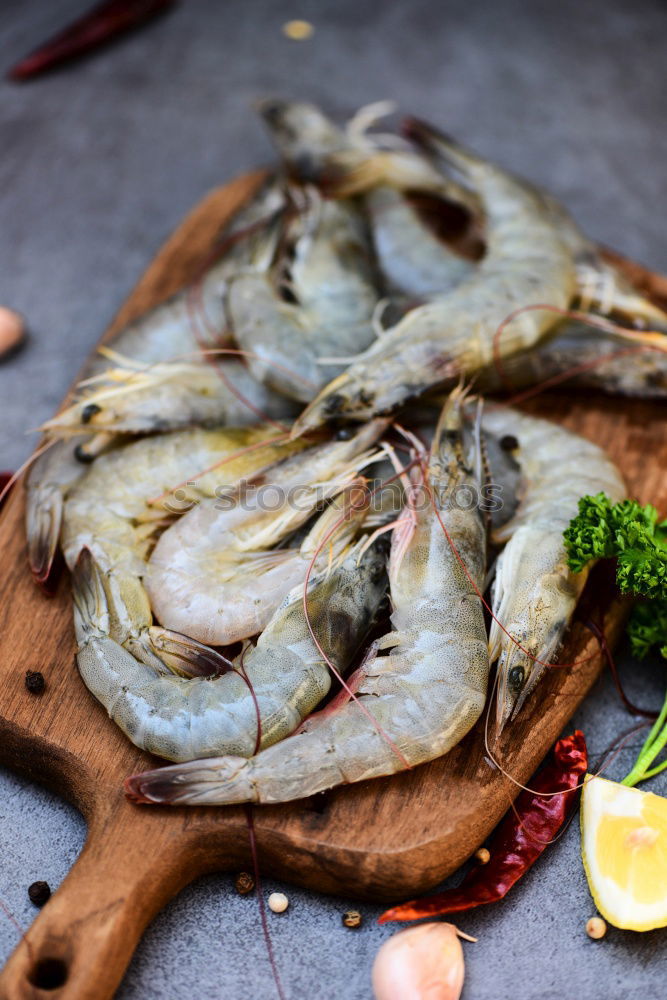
(381, 840)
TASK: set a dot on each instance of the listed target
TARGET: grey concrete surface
(98, 162)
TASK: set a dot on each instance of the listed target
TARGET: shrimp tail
(453, 444)
(103, 663)
(44, 513)
(195, 783)
(185, 656)
(128, 623)
(449, 420)
(91, 611)
(52, 470)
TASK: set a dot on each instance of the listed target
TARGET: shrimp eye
(334, 403)
(82, 455)
(515, 678)
(89, 411)
(509, 443)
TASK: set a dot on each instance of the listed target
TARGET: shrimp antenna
(402, 474)
(410, 436)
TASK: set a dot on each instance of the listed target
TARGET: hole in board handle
(48, 974)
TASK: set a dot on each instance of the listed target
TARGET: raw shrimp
(286, 675)
(171, 395)
(526, 262)
(159, 381)
(534, 592)
(421, 698)
(213, 574)
(410, 256)
(413, 260)
(164, 332)
(109, 512)
(601, 285)
(595, 360)
(314, 298)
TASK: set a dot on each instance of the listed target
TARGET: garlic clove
(12, 330)
(420, 963)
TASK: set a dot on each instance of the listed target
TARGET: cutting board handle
(79, 946)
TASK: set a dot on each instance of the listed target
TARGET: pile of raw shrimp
(283, 499)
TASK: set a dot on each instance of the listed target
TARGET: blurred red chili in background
(104, 22)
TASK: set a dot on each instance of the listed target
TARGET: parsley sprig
(633, 535)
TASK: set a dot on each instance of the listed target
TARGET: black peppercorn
(34, 681)
(39, 893)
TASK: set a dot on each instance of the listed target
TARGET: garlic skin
(420, 963)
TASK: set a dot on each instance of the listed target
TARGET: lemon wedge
(624, 850)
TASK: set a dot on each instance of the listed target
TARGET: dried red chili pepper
(104, 22)
(519, 840)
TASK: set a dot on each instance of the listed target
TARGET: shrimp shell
(413, 261)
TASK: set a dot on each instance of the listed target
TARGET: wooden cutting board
(382, 840)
